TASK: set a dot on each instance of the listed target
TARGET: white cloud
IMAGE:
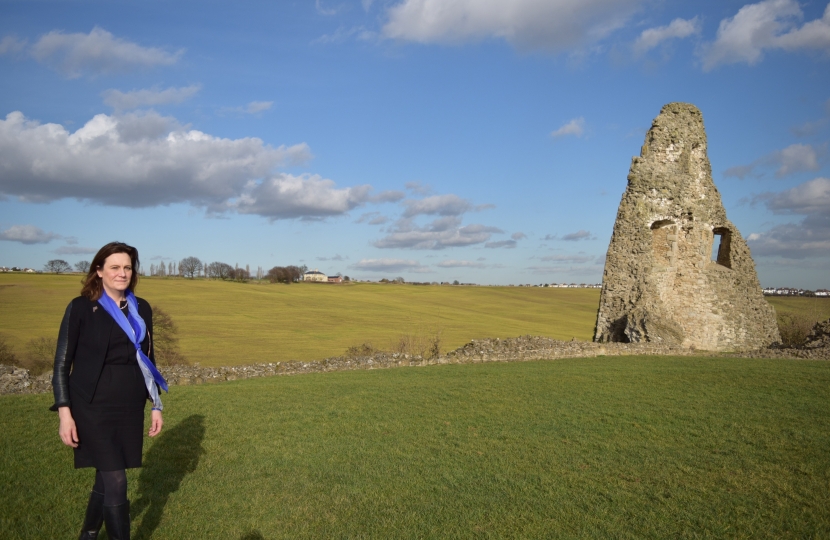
(439, 234)
(372, 218)
(28, 234)
(441, 205)
(507, 244)
(452, 263)
(796, 158)
(388, 196)
(767, 25)
(578, 235)
(518, 236)
(418, 188)
(148, 97)
(143, 160)
(258, 106)
(10, 45)
(96, 53)
(808, 238)
(390, 265)
(677, 29)
(792, 159)
(575, 127)
(285, 196)
(336, 257)
(808, 129)
(529, 24)
(811, 197)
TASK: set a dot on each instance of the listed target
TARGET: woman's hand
(67, 430)
(155, 423)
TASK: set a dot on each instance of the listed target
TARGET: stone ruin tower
(662, 282)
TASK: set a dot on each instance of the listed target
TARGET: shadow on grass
(175, 454)
(253, 535)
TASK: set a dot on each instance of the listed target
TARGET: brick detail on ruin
(678, 272)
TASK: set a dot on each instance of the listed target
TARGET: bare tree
(241, 274)
(58, 266)
(219, 270)
(82, 266)
(284, 274)
(190, 267)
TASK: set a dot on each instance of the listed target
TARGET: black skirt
(111, 426)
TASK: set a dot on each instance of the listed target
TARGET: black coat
(82, 346)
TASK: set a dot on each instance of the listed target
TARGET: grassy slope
(230, 323)
(604, 448)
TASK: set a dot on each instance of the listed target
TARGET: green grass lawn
(635, 447)
(226, 324)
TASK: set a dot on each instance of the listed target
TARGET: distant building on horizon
(315, 275)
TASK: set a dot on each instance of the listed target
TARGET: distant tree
(346, 278)
(241, 274)
(285, 274)
(58, 266)
(399, 280)
(190, 267)
(219, 270)
(82, 266)
(455, 282)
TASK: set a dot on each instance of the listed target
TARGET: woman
(104, 374)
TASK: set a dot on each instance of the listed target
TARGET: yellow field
(816, 308)
(224, 323)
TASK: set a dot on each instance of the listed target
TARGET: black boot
(117, 520)
(94, 517)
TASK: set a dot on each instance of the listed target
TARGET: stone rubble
(14, 380)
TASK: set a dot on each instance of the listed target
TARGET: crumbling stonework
(661, 283)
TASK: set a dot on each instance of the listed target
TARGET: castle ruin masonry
(677, 271)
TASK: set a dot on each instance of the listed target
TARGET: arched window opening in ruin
(664, 242)
(661, 223)
(720, 246)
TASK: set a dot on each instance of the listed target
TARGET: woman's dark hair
(93, 286)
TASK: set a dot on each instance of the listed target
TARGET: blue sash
(133, 325)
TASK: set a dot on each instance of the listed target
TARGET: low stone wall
(15, 380)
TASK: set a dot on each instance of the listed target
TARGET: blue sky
(484, 141)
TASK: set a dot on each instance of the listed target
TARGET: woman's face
(116, 274)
